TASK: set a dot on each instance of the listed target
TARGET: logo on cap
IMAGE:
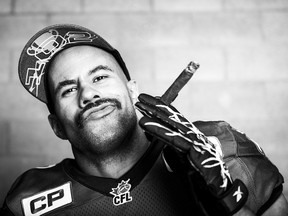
(45, 47)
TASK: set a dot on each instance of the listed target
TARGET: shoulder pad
(246, 161)
(233, 142)
(30, 191)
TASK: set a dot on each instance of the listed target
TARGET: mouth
(99, 112)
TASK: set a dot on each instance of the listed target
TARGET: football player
(156, 164)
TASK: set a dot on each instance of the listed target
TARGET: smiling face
(93, 101)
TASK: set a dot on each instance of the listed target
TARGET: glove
(198, 157)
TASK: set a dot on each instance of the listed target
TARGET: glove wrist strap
(234, 198)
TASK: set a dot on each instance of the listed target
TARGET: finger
(153, 111)
(168, 117)
(148, 99)
(171, 137)
(145, 109)
(155, 102)
(159, 111)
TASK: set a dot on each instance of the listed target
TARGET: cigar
(172, 92)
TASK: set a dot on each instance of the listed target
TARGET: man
(172, 167)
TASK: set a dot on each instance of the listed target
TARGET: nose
(87, 95)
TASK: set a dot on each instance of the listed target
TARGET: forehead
(81, 59)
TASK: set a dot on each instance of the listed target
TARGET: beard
(108, 136)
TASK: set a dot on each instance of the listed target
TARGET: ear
(133, 90)
(57, 127)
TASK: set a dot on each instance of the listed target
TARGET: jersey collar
(104, 185)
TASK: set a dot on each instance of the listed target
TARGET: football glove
(197, 155)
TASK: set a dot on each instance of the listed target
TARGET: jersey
(148, 188)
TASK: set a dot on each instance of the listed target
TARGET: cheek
(132, 96)
(127, 96)
(129, 101)
(117, 90)
(65, 113)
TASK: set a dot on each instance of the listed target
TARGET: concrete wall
(242, 46)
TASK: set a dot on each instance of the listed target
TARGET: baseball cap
(38, 53)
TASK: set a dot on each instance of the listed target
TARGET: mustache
(80, 117)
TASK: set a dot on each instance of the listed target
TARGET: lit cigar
(172, 92)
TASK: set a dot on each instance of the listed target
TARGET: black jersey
(149, 188)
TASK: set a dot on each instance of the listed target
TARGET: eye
(69, 91)
(99, 78)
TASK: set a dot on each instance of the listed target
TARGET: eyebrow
(63, 84)
(98, 68)
(72, 81)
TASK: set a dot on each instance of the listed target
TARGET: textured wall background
(242, 46)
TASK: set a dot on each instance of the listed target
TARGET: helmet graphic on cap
(40, 49)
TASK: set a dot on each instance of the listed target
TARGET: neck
(118, 163)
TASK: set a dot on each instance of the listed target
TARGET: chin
(107, 136)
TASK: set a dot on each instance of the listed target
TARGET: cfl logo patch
(121, 193)
(47, 201)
